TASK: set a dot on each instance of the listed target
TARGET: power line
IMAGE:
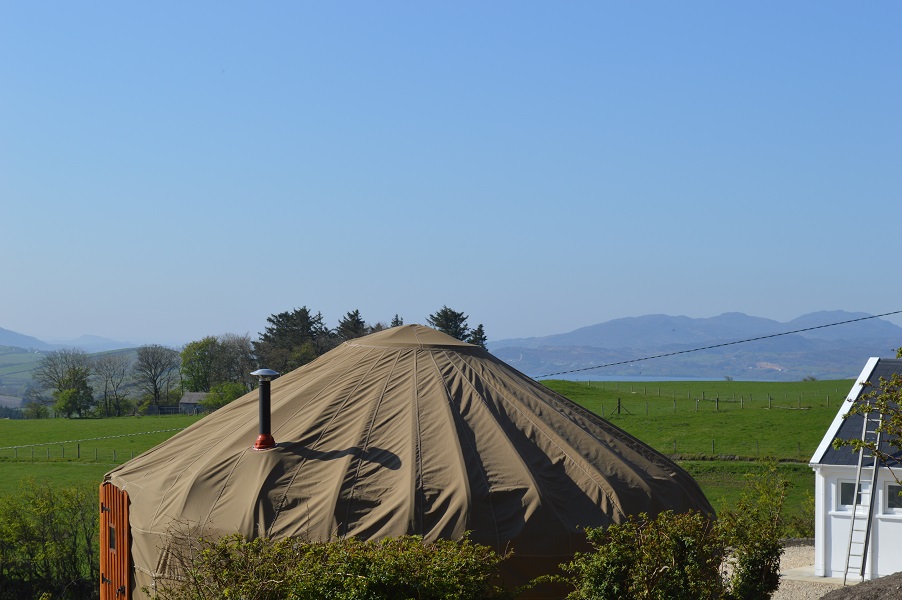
(754, 339)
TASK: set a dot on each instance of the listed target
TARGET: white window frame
(839, 490)
(889, 493)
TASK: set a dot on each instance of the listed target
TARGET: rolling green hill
(18, 364)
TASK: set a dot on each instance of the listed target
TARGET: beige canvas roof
(406, 431)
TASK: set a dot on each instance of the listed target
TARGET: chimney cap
(265, 374)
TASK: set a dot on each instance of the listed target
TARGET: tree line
(71, 383)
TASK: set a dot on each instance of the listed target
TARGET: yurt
(405, 431)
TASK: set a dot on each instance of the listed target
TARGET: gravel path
(792, 589)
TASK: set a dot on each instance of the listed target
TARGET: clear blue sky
(170, 170)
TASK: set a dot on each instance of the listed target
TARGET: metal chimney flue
(265, 440)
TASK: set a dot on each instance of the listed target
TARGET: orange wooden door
(114, 544)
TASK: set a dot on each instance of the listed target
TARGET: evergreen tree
(397, 321)
(351, 326)
(451, 322)
(291, 339)
(477, 337)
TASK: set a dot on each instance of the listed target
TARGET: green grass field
(77, 450)
(704, 419)
(715, 430)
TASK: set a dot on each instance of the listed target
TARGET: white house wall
(832, 523)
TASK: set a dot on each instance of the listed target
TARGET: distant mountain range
(88, 343)
(626, 345)
(832, 352)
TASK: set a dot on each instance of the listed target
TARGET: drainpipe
(265, 440)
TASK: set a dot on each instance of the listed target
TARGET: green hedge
(402, 568)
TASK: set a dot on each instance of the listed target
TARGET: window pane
(893, 499)
(846, 493)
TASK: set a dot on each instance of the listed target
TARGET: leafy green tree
(61, 369)
(451, 322)
(66, 373)
(155, 372)
(477, 337)
(217, 359)
(291, 339)
(223, 393)
(351, 326)
(77, 397)
(35, 410)
(199, 364)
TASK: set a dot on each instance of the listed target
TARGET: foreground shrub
(753, 532)
(48, 542)
(689, 556)
(674, 556)
(390, 569)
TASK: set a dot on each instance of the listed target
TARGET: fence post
(95, 454)
(646, 408)
(712, 447)
(77, 450)
(696, 405)
(717, 404)
(62, 451)
(114, 455)
(674, 405)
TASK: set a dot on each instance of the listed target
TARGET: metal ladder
(860, 532)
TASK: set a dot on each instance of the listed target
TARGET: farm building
(840, 495)
(190, 404)
(405, 431)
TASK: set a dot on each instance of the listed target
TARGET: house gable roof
(849, 427)
(193, 397)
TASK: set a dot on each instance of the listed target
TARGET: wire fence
(68, 452)
(111, 449)
(649, 401)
